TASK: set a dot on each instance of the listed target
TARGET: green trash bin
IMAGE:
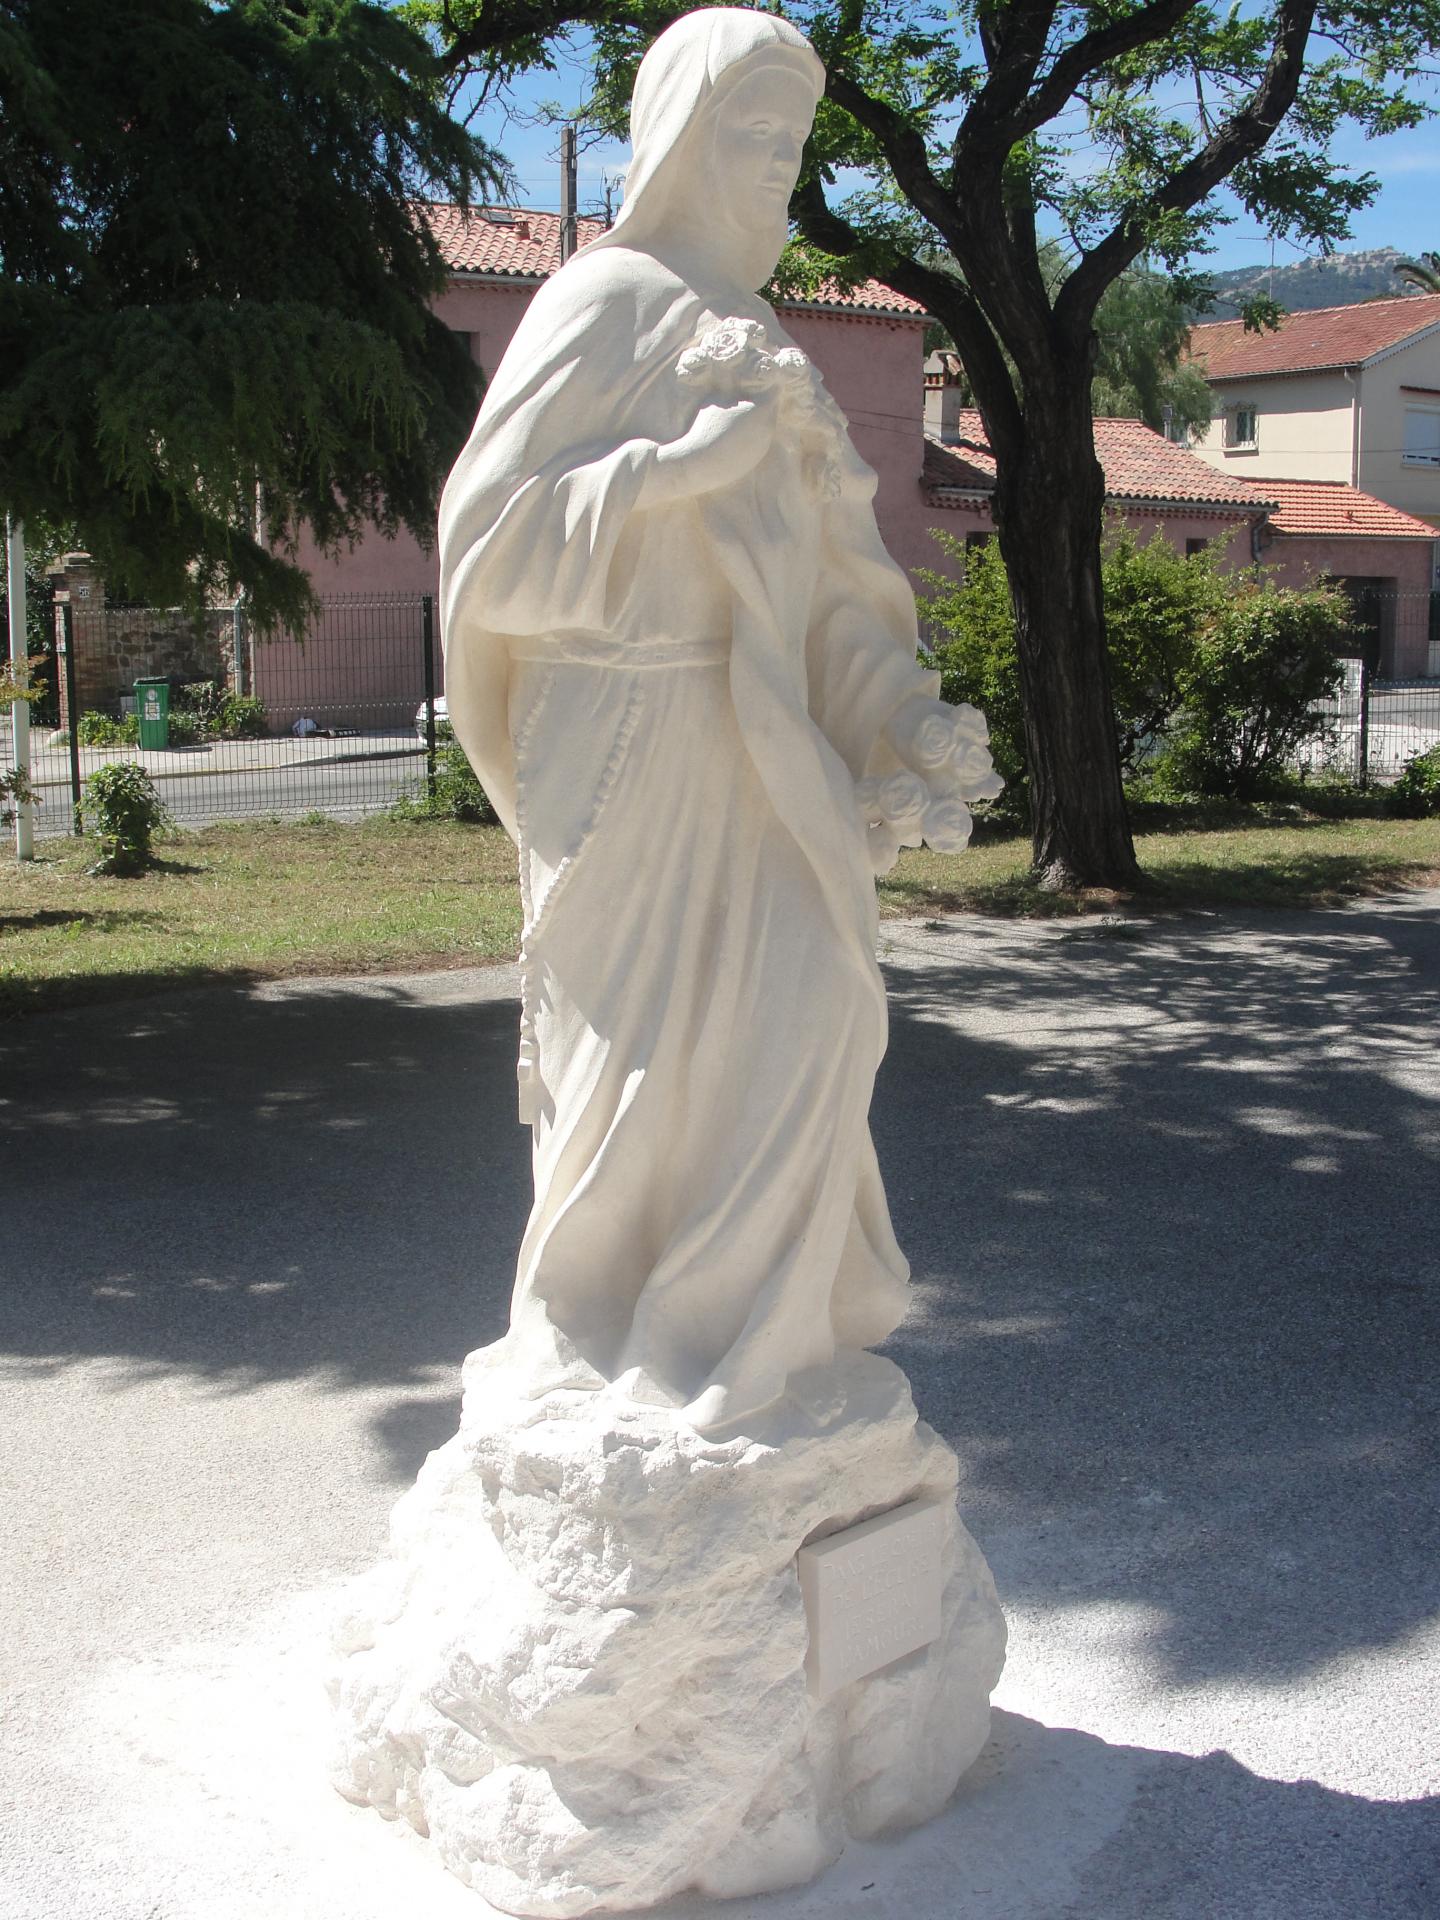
(152, 710)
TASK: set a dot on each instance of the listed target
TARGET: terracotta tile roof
(521, 244)
(964, 468)
(502, 240)
(1304, 342)
(871, 296)
(1329, 506)
(1139, 465)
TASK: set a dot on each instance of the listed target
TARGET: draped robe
(669, 705)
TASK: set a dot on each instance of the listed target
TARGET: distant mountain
(1343, 280)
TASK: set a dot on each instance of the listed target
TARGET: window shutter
(1422, 435)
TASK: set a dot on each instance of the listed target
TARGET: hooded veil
(669, 706)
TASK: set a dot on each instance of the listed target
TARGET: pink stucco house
(869, 345)
(1301, 530)
(928, 450)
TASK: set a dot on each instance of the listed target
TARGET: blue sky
(1405, 213)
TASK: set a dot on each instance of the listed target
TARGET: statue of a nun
(684, 668)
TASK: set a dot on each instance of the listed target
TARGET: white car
(442, 716)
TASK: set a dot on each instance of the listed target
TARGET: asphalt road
(238, 780)
(1171, 1195)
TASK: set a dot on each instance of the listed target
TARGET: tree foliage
(1423, 272)
(214, 295)
(1142, 329)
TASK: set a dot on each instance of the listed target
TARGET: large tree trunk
(1049, 506)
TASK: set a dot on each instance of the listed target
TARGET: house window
(1192, 547)
(1175, 430)
(1422, 436)
(1241, 426)
(467, 340)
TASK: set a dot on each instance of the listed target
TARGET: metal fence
(1376, 727)
(1397, 632)
(347, 713)
(340, 720)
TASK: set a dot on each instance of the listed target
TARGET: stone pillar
(79, 583)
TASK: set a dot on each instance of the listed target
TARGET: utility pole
(569, 232)
(20, 672)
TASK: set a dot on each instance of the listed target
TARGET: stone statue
(684, 668)
(686, 1601)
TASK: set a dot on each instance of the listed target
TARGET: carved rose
(903, 799)
(988, 787)
(741, 340)
(728, 341)
(972, 763)
(730, 338)
(933, 741)
(947, 826)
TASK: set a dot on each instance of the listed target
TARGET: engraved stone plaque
(872, 1593)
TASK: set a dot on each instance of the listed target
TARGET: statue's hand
(722, 445)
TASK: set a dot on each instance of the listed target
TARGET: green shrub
(125, 812)
(1157, 604)
(1214, 676)
(1417, 792)
(457, 794)
(214, 713)
(104, 730)
(15, 791)
(199, 702)
(1249, 691)
(242, 717)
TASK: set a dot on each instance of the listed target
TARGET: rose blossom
(947, 826)
(903, 798)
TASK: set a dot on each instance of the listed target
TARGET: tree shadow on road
(1171, 1201)
(1054, 1824)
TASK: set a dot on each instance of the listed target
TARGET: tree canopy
(1142, 329)
(214, 295)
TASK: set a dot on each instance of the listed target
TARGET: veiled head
(723, 102)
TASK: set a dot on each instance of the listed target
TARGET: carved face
(759, 136)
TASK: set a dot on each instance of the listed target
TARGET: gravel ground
(1170, 1190)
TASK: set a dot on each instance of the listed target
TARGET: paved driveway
(1172, 1196)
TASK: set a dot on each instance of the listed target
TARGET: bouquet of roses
(948, 769)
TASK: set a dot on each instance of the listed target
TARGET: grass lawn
(253, 901)
(246, 901)
(1254, 859)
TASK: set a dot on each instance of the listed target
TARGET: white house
(1349, 394)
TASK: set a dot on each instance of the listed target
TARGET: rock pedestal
(582, 1672)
